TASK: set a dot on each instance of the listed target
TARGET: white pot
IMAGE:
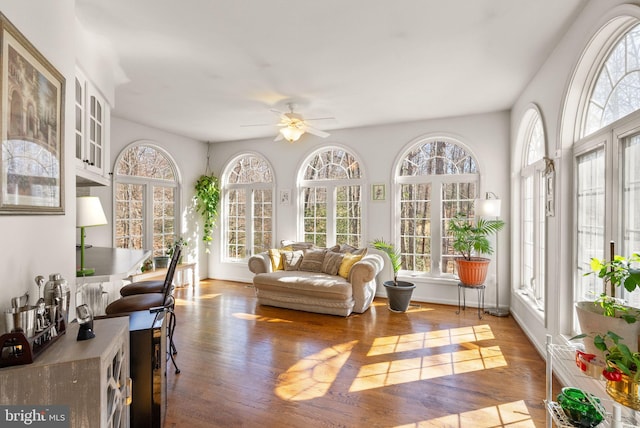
(593, 322)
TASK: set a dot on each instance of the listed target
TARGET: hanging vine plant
(207, 200)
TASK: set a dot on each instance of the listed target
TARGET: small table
(162, 272)
(463, 288)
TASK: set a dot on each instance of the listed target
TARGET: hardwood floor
(245, 365)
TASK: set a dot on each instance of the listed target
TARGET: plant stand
(462, 288)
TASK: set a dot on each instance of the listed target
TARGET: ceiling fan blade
(283, 117)
(279, 137)
(257, 124)
(316, 132)
(321, 118)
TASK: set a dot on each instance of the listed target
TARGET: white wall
(548, 91)
(40, 245)
(378, 148)
(190, 157)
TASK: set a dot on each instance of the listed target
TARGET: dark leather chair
(153, 285)
(162, 300)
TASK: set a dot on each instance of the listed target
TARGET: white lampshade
(291, 133)
(89, 212)
(489, 207)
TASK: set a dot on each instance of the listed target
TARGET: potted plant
(470, 240)
(621, 371)
(606, 312)
(207, 199)
(398, 292)
(179, 242)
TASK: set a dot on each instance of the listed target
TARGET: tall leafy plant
(470, 238)
(207, 200)
(392, 252)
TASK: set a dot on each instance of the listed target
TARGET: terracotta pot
(472, 272)
(625, 391)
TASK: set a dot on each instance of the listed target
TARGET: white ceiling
(206, 68)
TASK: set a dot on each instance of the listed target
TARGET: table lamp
(88, 213)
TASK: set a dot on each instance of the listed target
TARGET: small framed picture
(378, 192)
(285, 197)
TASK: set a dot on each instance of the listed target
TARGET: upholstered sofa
(292, 285)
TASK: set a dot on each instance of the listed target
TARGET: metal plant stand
(462, 288)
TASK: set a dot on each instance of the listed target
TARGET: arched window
(436, 179)
(146, 199)
(616, 92)
(533, 217)
(330, 187)
(248, 206)
(606, 155)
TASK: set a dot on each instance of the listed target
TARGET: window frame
(436, 217)
(148, 184)
(331, 186)
(249, 188)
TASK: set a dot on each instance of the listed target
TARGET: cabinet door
(80, 118)
(96, 134)
(117, 386)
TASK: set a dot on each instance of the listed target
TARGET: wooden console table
(162, 272)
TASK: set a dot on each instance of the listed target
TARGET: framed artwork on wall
(378, 192)
(31, 128)
(285, 197)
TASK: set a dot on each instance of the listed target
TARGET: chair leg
(172, 346)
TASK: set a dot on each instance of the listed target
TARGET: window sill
(423, 279)
(530, 304)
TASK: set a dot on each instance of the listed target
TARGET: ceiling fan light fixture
(291, 133)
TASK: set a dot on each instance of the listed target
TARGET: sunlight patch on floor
(396, 372)
(191, 302)
(254, 317)
(312, 376)
(413, 307)
(430, 339)
(512, 415)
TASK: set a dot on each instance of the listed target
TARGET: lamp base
(85, 272)
(497, 312)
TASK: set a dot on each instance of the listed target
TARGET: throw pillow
(347, 263)
(276, 259)
(346, 248)
(313, 259)
(331, 263)
(292, 259)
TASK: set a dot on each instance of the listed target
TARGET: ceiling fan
(293, 125)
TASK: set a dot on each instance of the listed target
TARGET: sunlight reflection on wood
(428, 367)
(194, 300)
(430, 339)
(312, 376)
(253, 317)
(514, 414)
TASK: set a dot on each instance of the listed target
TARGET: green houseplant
(398, 292)
(622, 369)
(470, 240)
(207, 200)
(608, 313)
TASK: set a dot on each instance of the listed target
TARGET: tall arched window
(248, 206)
(533, 193)
(606, 157)
(330, 187)
(146, 199)
(436, 179)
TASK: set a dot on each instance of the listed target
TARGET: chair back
(168, 280)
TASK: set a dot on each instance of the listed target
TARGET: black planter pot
(399, 295)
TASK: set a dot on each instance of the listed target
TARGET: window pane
(456, 198)
(314, 204)
(262, 212)
(145, 161)
(332, 164)
(415, 227)
(129, 203)
(164, 220)
(617, 90)
(348, 215)
(631, 204)
(236, 223)
(590, 213)
(438, 157)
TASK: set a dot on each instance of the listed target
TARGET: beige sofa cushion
(306, 283)
(313, 259)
